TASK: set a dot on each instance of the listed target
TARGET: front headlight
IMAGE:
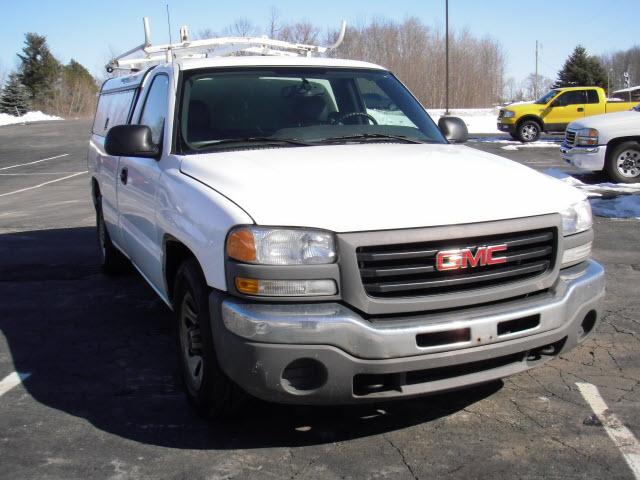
(281, 246)
(577, 218)
(508, 114)
(587, 137)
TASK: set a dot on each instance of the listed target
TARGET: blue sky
(86, 30)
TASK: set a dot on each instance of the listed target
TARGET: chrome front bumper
(256, 342)
(586, 158)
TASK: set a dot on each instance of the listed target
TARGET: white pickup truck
(606, 142)
(322, 241)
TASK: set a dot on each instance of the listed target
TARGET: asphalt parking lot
(89, 386)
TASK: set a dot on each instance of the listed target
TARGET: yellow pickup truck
(555, 110)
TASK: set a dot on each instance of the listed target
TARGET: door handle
(124, 174)
(580, 109)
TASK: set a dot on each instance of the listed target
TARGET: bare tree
(415, 52)
(242, 27)
(617, 63)
(300, 32)
(273, 28)
(532, 85)
(205, 33)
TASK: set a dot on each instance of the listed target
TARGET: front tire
(529, 131)
(623, 163)
(211, 392)
(112, 261)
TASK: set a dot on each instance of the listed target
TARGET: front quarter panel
(200, 218)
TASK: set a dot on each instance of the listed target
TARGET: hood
(629, 117)
(515, 104)
(525, 107)
(347, 188)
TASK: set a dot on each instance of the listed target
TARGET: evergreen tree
(581, 69)
(14, 99)
(39, 69)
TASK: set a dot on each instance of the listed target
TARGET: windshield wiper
(260, 140)
(371, 136)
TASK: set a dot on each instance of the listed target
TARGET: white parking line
(42, 184)
(621, 436)
(11, 381)
(33, 174)
(36, 161)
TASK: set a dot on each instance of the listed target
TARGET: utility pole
(446, 49)
(535, 82)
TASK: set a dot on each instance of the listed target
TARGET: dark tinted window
(574, 97)
(113, 109)
(154, 111)
(592, 96)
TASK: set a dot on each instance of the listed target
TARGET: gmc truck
(608, 143)
(555, 110)
(318, 247)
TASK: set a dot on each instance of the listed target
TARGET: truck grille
(569, 137)
(409, 270)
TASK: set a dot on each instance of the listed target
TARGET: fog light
(285, 288)
(304, 375)
(576, 254)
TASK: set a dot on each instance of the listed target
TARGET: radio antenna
(169, 24)
(170, 50)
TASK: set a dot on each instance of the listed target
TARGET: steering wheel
(356, 114)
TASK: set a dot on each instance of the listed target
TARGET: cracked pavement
(104, 399)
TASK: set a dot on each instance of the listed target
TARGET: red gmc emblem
(465, 258)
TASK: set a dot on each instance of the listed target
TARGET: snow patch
(623, 198)
(478, 120)
(28, 117)
(596, 189)
(515, 145)
(625, 206)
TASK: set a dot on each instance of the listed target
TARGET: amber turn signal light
(248, 286)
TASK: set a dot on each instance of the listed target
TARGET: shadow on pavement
(102, 349)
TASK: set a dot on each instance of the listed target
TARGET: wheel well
(531, 117)
(617, 141)
(175, 252)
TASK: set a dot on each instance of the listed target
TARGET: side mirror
(453, 129)
(131, 141)
(559, 103)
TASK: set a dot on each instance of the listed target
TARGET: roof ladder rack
(147, 54)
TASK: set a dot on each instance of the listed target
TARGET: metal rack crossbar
(147, 53)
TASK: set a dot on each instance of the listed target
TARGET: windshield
(546, 98)
(239, 108)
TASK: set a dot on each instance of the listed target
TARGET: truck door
(566, 108)
(593, 105)
(137, 186)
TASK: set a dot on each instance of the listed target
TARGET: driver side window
(154, 110)
(575, 97)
